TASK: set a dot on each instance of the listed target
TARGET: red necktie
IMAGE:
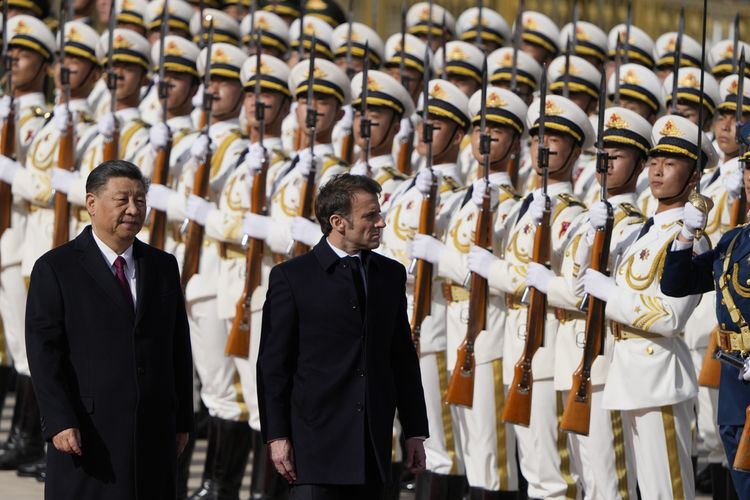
(122, 280)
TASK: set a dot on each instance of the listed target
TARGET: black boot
(392, 490)
(25, 442)
(482, 494)
(431, 486)
(36, 469)
(265, 482)
(703, 481)
(209, 489)
(457, 487)
(183, 467)
(5, 375)
(233, 445)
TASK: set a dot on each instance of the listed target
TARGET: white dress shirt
(110, 256)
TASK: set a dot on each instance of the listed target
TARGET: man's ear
(339, 113)
(458, 136)
(91, 203)
(336, 221)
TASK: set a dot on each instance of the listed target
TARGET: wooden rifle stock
(347, 148)
(423, 274)
(742, 457)
(461, 386)
(111, 146)
(158, 223)
(513, 167)
(306, 210)
(7, 148)
(298, 134)
(577, 415)
(405, 149)
(238, 343)
(518, 404)
(66, 154)
(194, 239)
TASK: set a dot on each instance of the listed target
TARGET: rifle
(618, 65)
(405, 147)
(422, 269)
(66, 148)
(577, 414)
(478, 34)
(628, 24)
(514, 165)
(194, 238)
(461, 386)
(111, 145)
(570, 50)
(8, 133)
(238, 342)
(444, 44)
(676, 63)
(347, 144)
(711, 368)
(365, 124)
(298, 248)
(518, 405)
(158, 229)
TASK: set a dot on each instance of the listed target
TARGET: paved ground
(13, 487)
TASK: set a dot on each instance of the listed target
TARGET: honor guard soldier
(131, 15)
(543, 450)
(446, 110)
(274, 39)
(180, 13)
(640, 46)
(131, 56)
(640, 90)
(589, 42)
(237, 9)
(441, 26)
(494, 31)
(328, 10)
(226, 28)
(539, 37)
(31, 46)
(463, 65)
(578, 78)
(720, 270)
(665, 52)
(605, 465)
(39, 9)
(223, 222)
(651, 379)
(331, 90)
(288, 10)
(487, 444)
(722, 55)
(388, 102)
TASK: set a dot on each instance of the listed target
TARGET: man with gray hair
(109, 350)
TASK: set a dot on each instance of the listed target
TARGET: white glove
(107, 124)
(304, 164)
(359, 168)
(477, 194)
(423, 182)
(692, 220)
(257, 226)
(158, 135)
(8, 169)
(745, 371)
(598, 215)
(480, 261)
(254, 158)
(158, 197)
(62, 180)
(61, 118)
(536, 208)
(427, 248)
(733, 184)
(198, 98)
(404, 131)
(199, 149)
(197, 209)
(538, 276)
(5, 107)
(347, 121)
(306, 231)
(600, 286)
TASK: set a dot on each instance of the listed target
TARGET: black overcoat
(123, 377)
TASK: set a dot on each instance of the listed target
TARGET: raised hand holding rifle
(420, 268)
(461, 386)
(8, 132)
(518, 404)
(298, 248)
(112, 142)
(157, 233)
(194, 237)
(238, 342)
(577, 415)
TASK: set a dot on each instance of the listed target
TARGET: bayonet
(444, 44)
(677, 61)
(517, 36)
(364, 122)
(478, 34)
(163, 88)
(253, 40)
(401, 62)
(566, 71)
(628, 25)
(618, 66)
(349, 41)
(740, 103)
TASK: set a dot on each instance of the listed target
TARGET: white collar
(668, 216)
(180, 122)
(270, 143)
(219, 128)
(128, 114)
(341, 254)
(381, 161)
(619, 199)
(448, 170)
(500, 179)
(80, 105)
(557, 188)
(110, 255)
(32, 99)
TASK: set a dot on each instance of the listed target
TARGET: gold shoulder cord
(734, 311)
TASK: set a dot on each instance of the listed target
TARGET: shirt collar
(340, 253)
(500, 179)
(180, 122)
(128, 114)
(557, 188)
(668, 216)
(619, 199)
(448, 170)
(110, 255)
(381, 161)
(33, 99)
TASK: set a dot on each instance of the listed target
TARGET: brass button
(649, 350)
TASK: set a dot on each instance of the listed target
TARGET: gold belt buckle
(745, 336)
(735, 342)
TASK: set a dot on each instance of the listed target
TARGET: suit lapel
(95, 265)
(374, 284)
(141, 271)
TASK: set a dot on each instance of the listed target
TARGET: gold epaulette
(394, 173)
(509, 193)
(278, 155)
(330, 161)
(86, 117)
(632, 212)
(570, 200)
(449, 183)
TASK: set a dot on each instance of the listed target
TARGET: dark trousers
(730, 436)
